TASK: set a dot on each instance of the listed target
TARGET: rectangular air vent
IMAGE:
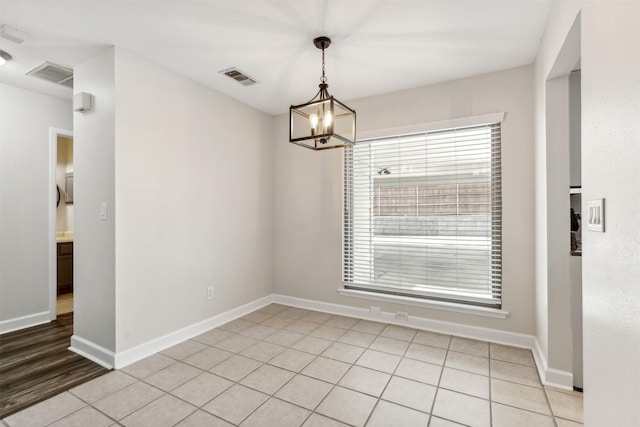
(53, 73)
(239, 76)
(12, 34)
(67, 82)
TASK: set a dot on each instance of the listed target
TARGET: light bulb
(326, 122)
(2, 61)
(313, 121)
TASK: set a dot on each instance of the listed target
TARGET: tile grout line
(203, 371)
(311, 412)
(88, 404)
(390, 378)
(169, 393)
(267, 362)
(352, 365)
(244, 376)
(304, 334)
(320, 354)
(164, 393)
(435, 395)
(553, 415)
(273, 395)
(377, 335)
(333, 386)
(66, 415)
(490, 394)
(234, 382)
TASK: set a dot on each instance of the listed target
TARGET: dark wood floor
(35, 364)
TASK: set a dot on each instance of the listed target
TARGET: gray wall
(610, 62)
(186, 174)
(575, 136)
(94, 183)
(194, 198)
(25, 118)
(558, 225)
(611, 260)
(308, 193)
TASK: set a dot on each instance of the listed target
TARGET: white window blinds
(422, 215)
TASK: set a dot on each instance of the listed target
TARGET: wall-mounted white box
(82, 102)
(595, 215)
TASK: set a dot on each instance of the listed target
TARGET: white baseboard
(139, 352)
(550, 376)
(104, 357)
(92, 351)
(466, 331)
(22, 322)
(425, 303)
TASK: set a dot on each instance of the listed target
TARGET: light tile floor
(283, 366)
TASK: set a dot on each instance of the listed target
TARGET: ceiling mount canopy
(323, 122)
(5, 57)
(322, 42)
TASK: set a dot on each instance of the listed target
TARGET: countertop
(64, 236)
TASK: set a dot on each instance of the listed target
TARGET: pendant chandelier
(324, 122)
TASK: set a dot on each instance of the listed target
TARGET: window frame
(426, 298)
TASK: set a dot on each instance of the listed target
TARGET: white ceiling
(378, 46)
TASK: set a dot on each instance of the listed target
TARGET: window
(422, 215)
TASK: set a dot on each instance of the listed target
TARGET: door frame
(54, 133)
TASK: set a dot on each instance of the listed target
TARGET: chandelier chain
(323, 79)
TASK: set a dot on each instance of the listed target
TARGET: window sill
(416, 302)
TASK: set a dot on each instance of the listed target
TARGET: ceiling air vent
(12, 34)
(67, 82)
(53, 73)
(239, 76)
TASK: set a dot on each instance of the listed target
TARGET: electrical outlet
(374, 310)
(210, 292)
(401, 315)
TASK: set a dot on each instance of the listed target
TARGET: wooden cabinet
(65, 267)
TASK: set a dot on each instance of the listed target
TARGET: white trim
(425, 303)
(53, 165)
(550, 376)
(23, 322)
(127, 357)
(92, 351)
(475, 332)
(426, 127)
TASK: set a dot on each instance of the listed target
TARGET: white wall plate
(595, 215)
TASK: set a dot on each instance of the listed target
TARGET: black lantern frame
(324, 122)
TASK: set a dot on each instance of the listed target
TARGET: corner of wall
(549, 376)
(94, 185)
(560, 22)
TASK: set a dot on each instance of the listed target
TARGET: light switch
(595, 215)
(103, 211)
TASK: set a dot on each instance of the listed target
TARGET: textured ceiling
(378, 46)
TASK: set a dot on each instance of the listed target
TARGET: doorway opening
(563, 192)
(61, 223)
